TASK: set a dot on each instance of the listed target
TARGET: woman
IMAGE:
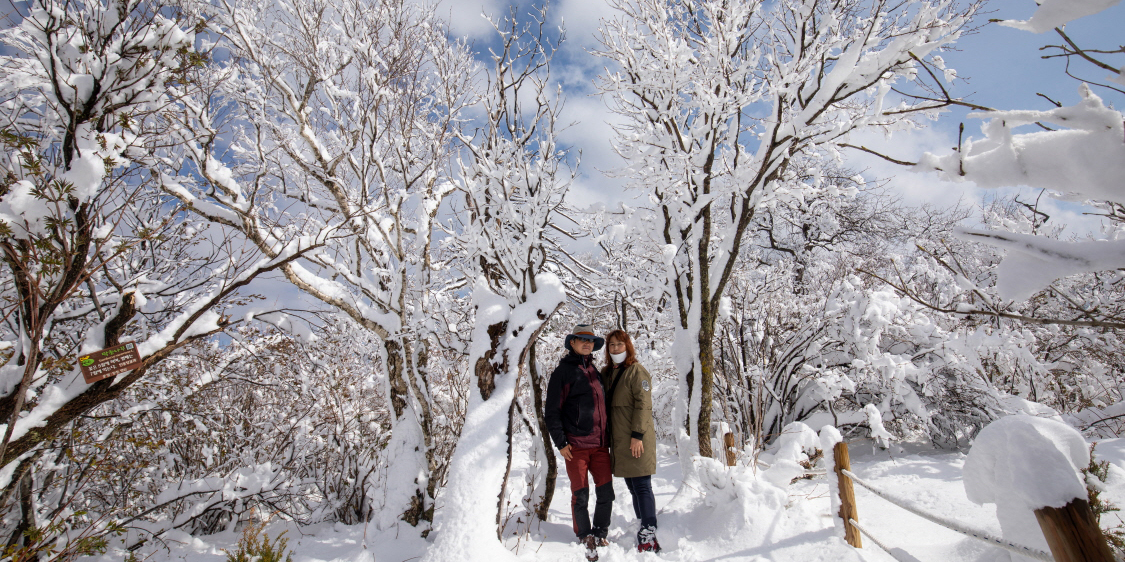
(577, 420)
(632, 437)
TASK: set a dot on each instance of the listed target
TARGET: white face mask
(617, 358)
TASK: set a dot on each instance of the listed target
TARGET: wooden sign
(109, 362)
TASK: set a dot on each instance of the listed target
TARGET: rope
(868, 534)
(953, 525)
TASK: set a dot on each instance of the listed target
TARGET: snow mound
(1022, 463)
(744, 513)
(1033, 461)
(797, 443)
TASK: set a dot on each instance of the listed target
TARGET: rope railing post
(1072, 533)
(848, 510)
(952, 525)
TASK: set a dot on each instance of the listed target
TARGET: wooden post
(847, 494)
(1073, 534)
(728, 445)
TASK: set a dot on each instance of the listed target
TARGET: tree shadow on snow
(770, 550)
(921, 467)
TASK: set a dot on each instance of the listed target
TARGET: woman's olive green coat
(630, 414)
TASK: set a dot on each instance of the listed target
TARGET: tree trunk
(435, 468)
(548, 449)
(395, 366)
(419, 509)
(22, 492)
(706, 379)
(485, 369)
(510, 434)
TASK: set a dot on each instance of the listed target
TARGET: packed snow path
(800, 530)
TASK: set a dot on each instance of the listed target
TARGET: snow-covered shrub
(56, 542)
(999, 346)
(266, 423)
(791, 454)
(825, 349)
(255, 546)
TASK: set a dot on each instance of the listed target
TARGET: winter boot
(646, 540)
(600, 533)
(591, 543)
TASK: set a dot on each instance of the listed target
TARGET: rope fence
(1071, 531)
(945, 522)
(879, 544)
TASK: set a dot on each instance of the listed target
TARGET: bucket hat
(586, 332)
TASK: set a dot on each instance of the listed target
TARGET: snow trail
(738, 528)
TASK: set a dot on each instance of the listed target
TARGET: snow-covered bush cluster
(344, 249)
(265, 425)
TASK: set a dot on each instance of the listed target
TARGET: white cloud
(592, 132)
(589, 119)
(582, 18)
(465, 16)
(915, 188)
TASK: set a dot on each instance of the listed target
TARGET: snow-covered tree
(266, 425)
(1075, 151)
(1067, 329)
(335, 123)
(718, 97)
(514, 176)
(94, 253)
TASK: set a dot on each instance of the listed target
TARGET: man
(577, 421)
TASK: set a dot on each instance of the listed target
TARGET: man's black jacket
(575, 408)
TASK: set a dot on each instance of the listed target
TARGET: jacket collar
(572, 357)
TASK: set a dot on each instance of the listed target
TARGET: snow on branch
(1086, 157)
(1033, 262)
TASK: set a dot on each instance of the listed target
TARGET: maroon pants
(596, 462)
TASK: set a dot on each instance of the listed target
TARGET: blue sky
(998, 67)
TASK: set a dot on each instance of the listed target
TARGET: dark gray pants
(644, 502)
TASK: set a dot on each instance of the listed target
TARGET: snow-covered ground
(749, 523)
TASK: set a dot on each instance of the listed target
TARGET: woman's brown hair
(630, 353)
